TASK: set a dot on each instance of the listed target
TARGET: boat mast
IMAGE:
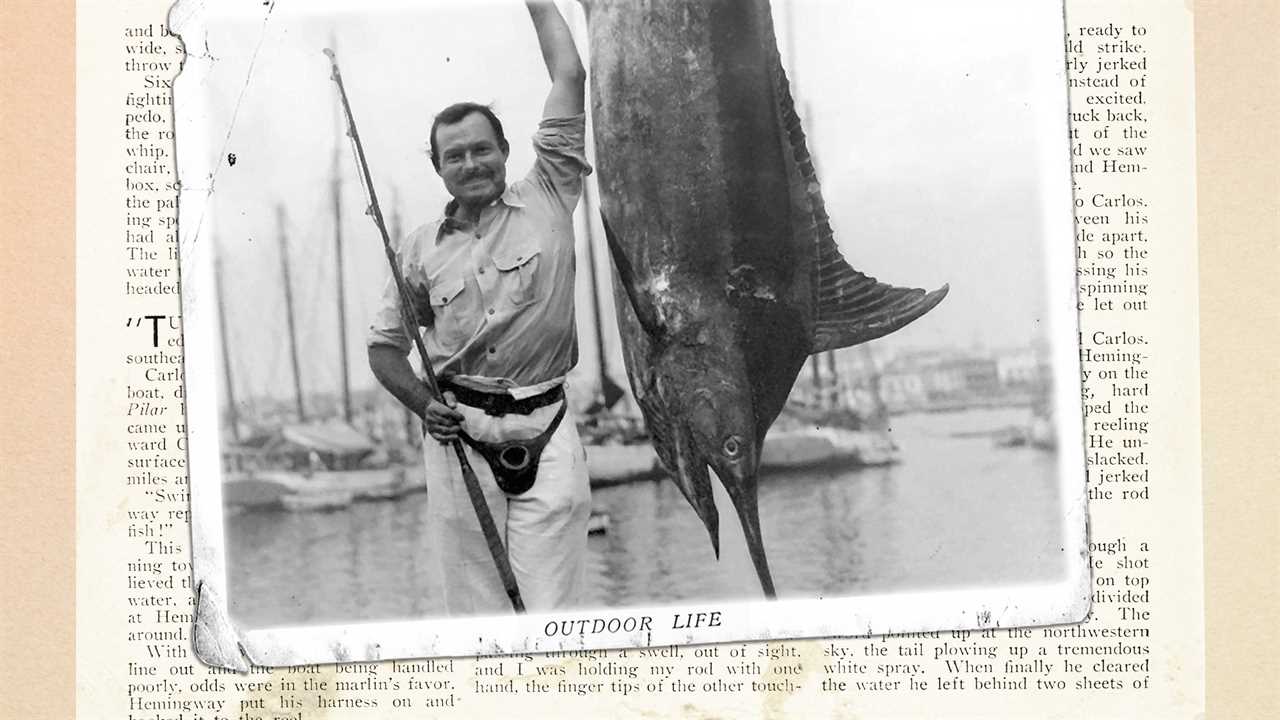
(288, 307)
(336, 193)
(233, 415)
(879, 410)
(833, 383)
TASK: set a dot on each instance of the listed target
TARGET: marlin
(728, 276)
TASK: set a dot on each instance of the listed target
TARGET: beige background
(1237, 107)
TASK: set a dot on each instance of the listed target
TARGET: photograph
(537, 325)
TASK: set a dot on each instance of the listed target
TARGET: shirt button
(492, 350)
(481, 271)
(490, 311)
(477, 234)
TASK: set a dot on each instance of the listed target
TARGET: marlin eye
(732, 446)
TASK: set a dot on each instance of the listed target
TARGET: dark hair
(454, 114)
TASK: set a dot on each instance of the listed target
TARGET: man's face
(472, 164)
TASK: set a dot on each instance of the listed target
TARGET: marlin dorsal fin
(848, 306)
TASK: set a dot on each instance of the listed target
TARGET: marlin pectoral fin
(645, 309)
(694, 480)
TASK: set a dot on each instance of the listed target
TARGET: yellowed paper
(152, 673)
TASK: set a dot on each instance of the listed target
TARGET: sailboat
(311, 464)
(833, 421)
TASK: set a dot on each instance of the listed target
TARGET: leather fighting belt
(514, 462)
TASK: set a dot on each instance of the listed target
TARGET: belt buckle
(498, 404)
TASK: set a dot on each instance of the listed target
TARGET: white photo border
(219, 642)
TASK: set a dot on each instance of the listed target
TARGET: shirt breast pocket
(518, 273)
(452, 325)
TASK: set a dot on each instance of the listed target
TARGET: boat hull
(783, 450)
(326, 490)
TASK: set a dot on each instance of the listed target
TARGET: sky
(938, 129)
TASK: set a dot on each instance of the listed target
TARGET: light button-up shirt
(497, 298)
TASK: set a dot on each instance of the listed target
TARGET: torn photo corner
(762, 327)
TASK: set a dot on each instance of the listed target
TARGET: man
(493, 280)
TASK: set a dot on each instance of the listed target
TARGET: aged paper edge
(1238, 197)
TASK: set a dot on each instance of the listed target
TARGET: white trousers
(544, 529)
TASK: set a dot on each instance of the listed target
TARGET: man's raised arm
(568, 77)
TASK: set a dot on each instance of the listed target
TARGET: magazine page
(1140, 653)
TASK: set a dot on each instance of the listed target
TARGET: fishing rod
(409, 317)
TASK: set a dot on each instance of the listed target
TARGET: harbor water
(956, 512)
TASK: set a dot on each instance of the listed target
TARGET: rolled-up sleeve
(386, 327)
(560, 146)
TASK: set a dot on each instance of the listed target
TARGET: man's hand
(391, 366)
(442, 421)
